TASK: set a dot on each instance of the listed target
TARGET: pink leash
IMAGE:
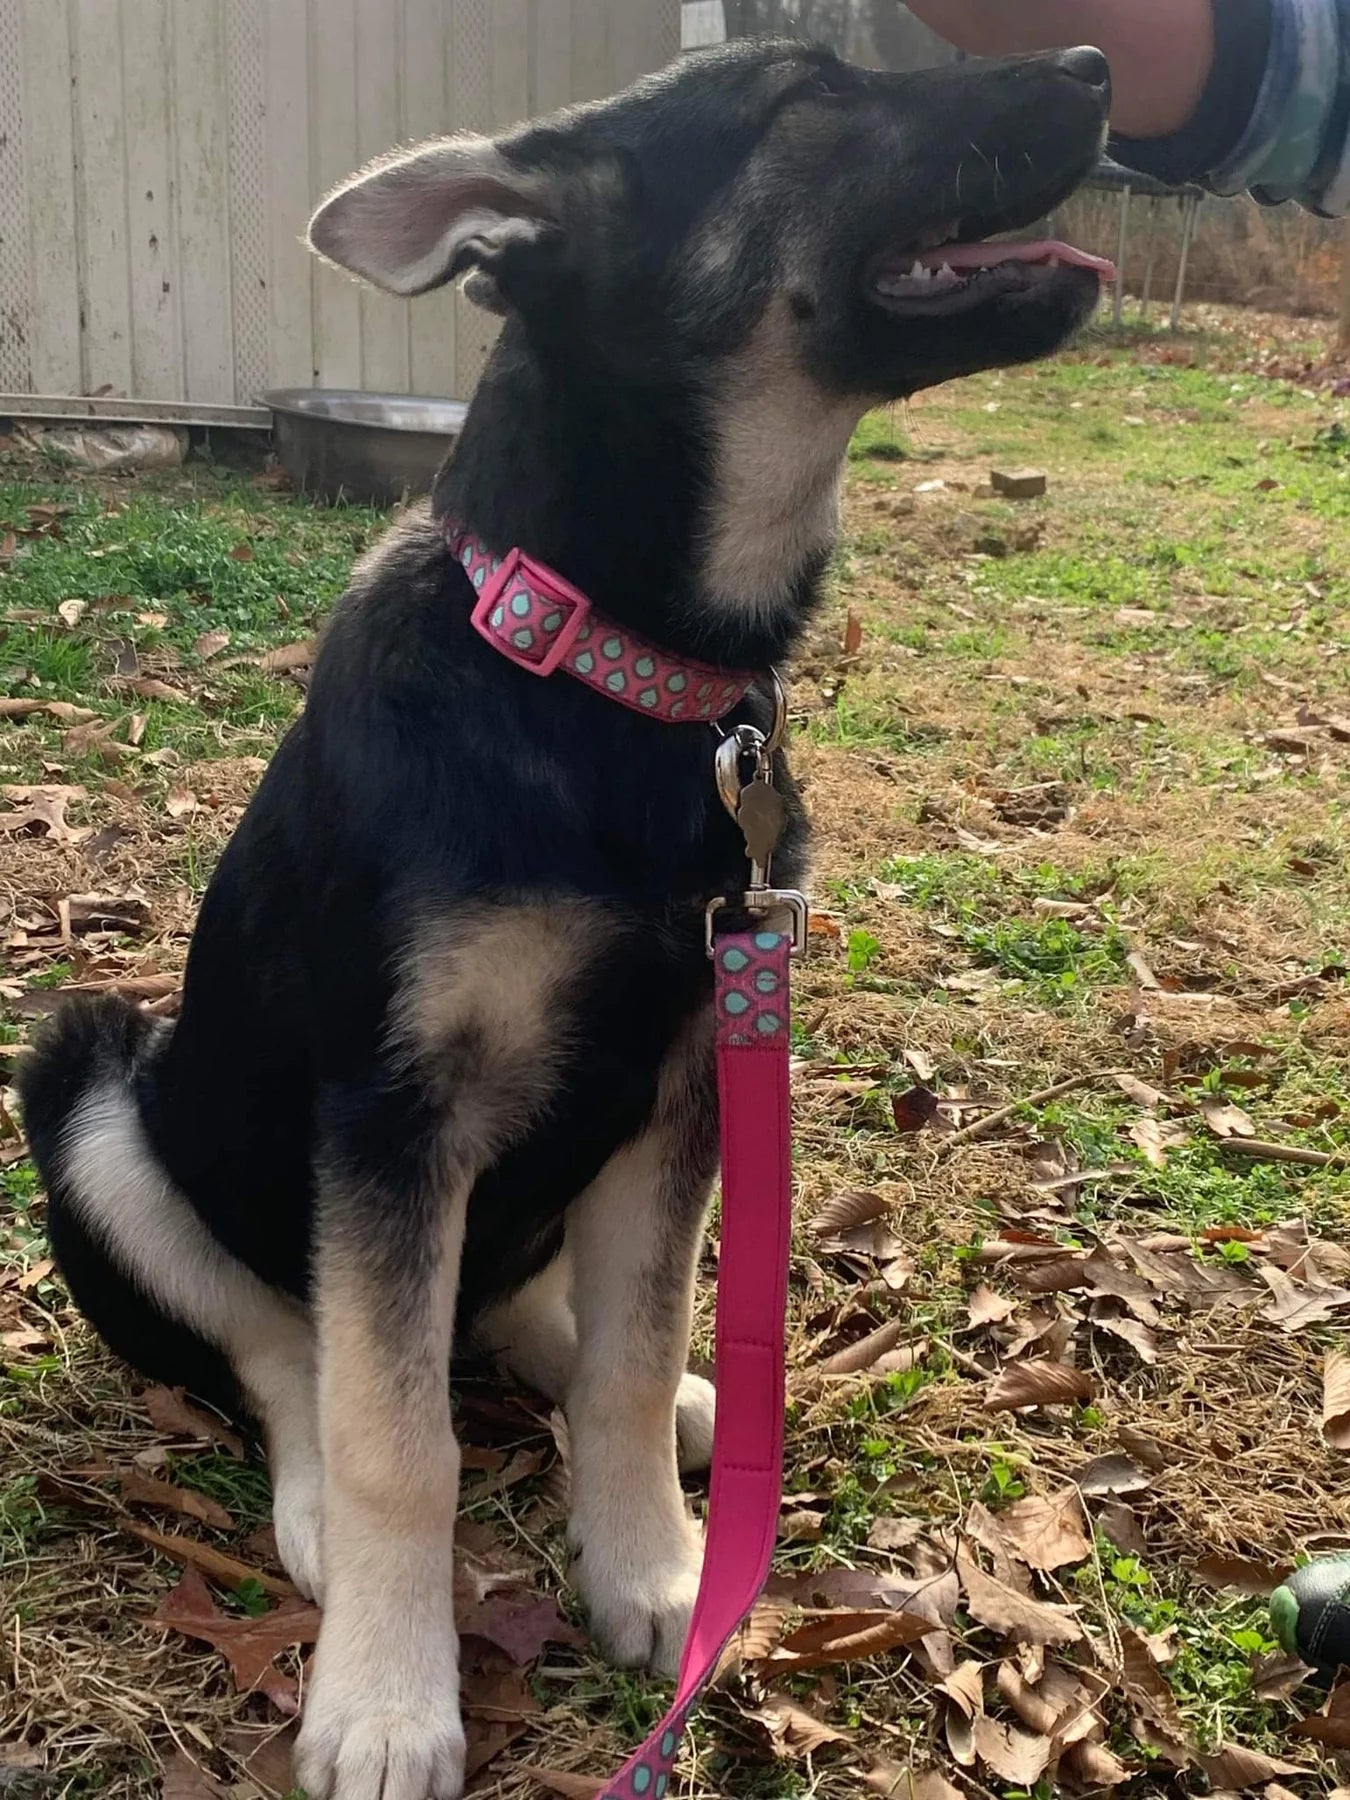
(752, 1083)
(539, 621)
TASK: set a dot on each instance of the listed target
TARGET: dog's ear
(416, 219)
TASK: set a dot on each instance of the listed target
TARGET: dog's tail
(94, 1041)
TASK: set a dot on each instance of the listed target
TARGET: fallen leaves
(845, 1637)
(1037, 1383)
(60, 710)
(41, 812)
(1336, 1399)
(1046, 1531)
(1244, 1574)
(250, 1645)
(176, 1416)
(1015, 1615)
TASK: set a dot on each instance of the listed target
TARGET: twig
(981, 1126)
(1287, 1153)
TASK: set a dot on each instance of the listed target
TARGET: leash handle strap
(752, 1084)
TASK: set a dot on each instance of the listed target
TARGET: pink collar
(541, 623)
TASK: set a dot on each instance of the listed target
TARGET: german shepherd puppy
(443, 1069)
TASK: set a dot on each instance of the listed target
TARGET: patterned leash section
(752, 1005)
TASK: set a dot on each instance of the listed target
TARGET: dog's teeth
(946, 273)
(920, 273)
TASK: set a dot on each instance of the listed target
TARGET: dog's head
(662, 226)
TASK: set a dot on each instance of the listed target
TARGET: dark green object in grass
(1310, 1612)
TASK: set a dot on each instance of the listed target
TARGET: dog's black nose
(1086, 65)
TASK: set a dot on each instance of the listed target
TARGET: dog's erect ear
(416, 219)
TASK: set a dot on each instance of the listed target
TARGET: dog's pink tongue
(1044, 250)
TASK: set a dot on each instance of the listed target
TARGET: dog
(443, 1069)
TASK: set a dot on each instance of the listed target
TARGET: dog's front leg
(381, 1717)
(634, 1239)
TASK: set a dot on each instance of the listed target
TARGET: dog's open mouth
(954, 276)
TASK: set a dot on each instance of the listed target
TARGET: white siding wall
(159, 159)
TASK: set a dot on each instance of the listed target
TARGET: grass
(1052, 763)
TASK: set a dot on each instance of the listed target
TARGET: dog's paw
(297, 1520)
(695, 1410)
(360, 1747)
(639, 1611)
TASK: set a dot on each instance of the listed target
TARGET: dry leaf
(1036, 1384)
(561, 1781)
(965, 1688)
(180, 801)
(1120, 1527)
(62, 710)
(1331, 1725)
(1336, 1399)
(898, 1783)
(843, 1637)
(1244, 1573)
(149, 687)
(1013, 1614)
(1016, 1756)
(182, 1779)
(1155, 1139)
(1094, 1767)
(1292, 1307)
(1112, 1474)
(249, 1645)
(1224, 1118)
(893, 1534)
(914, 1109)
(866, 1352)
(1275, 1677)
(228, 1570)
(846, 1211)
(1046, 1531)
(41, 812)
(149, 1490)
(1238, 1768)
(285, 658)
(1140, 1091)
(792, 1731)
(988, 1308)
(853, 633)
(1145, 1687)
(265, 1757)
(520, 1627)
(801, 1527)
(175, 1415)
(211, 643)
(72, 611)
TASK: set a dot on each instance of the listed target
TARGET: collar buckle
(530, 614)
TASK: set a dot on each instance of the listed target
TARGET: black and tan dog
(443, 1066)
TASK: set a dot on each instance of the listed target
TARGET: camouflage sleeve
(1275, 118)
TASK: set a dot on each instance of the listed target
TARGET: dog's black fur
(649, 240)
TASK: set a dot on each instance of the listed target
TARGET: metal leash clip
(758, 808)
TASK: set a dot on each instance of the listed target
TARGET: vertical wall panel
(249, 175)
(159, 160)
(101, 194)
(15, 284)
(201, 126)
(48, 191)
(157, 371)
(292, 189)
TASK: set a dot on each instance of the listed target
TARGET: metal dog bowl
(377, 449)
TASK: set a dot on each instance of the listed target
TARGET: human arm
(1232, 93)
